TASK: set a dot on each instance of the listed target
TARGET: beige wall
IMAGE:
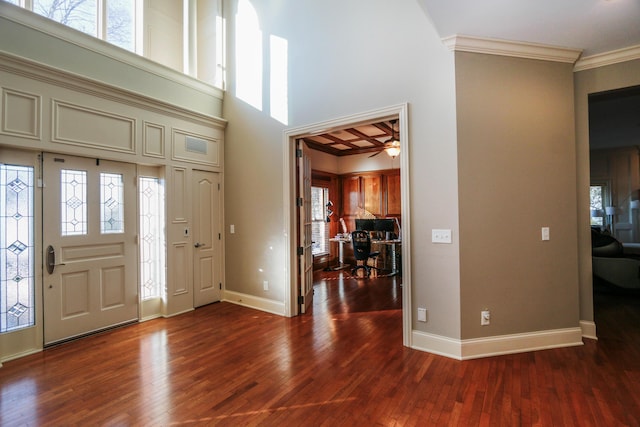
(596, 80)
(516, 157)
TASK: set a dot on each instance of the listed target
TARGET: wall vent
(195, 145)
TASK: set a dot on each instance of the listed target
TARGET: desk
(341, 241)
(392, 243)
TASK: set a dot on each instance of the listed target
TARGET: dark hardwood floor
(341, 365)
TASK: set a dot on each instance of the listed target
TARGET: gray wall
(517, 173)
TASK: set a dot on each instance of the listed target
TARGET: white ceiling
(595, 26)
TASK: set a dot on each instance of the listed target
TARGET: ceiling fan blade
(376, 153)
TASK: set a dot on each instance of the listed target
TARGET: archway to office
(290, 224)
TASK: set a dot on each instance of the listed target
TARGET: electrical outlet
(545, 233)
(232, 229)
(485, 317)
(265, 285)
(422, 314)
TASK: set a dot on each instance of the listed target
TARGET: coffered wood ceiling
(369, 138)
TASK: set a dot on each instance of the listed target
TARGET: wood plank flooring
(341, 365)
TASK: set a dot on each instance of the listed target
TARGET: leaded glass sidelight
(17, 280)
(111, 203)
(152, 242)
(73, 202)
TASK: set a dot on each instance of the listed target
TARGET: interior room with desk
(356, 186)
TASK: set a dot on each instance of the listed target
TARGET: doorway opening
(614, 160)
(291, 177)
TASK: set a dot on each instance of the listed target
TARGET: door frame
(290, 137)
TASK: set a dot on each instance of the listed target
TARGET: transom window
(113, 21)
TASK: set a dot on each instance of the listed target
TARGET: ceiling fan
(392, 145)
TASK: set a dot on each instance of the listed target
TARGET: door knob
(51, 259)
(198, 244)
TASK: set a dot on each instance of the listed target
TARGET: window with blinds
(319, 226)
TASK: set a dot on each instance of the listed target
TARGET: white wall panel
(21, 114)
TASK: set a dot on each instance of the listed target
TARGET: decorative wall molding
(608, 58)
(209, 152)
(153, 140)
(462, 43)
(178, 208)
(21, 114)
(257, 303)
(50, 75)
(180, 264)
(88, 127)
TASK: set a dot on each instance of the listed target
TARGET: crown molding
(608, 58)
(461, 43)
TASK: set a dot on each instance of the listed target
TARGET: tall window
(319, 225)
(152, 250)
(17, 278)
(596, 196)
(111, 20)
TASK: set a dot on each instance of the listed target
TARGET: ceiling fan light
(394, 149)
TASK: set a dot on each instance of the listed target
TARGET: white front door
(207, 238)
(89, 243)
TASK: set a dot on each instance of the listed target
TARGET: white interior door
(305, 258)
(90, 253)
(207, 238)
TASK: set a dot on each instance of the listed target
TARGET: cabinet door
(351, 196)
(394, 204)
(372, 192)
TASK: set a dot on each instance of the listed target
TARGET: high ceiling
(368, 138)
(595, 26)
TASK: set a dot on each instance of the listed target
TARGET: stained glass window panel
(73, 202)
(111, 203)
(17, 281)
(152, 247)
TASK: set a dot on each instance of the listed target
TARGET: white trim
(462, 43)
(289, 226)
(608, 58)
(62, 32)
(45, 73)
(520, 343)
(19, 355)
(588, 329)
(496, 346)
(436, 344)
(257, 303)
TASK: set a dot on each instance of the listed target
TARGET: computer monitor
(384, 224)
(365, 224)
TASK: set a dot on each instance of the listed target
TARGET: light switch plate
(441, 236)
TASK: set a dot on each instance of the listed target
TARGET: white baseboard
(257, 303)
(588, 329)
(19, 355)
(436, 344)
(495, 346)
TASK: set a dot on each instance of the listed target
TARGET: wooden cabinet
(370, 193)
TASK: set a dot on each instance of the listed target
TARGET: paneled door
(90, 252)
(207, 238)
(305, 256)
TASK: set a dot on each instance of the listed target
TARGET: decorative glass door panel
(89, 243)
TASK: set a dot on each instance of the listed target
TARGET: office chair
(362, 251)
